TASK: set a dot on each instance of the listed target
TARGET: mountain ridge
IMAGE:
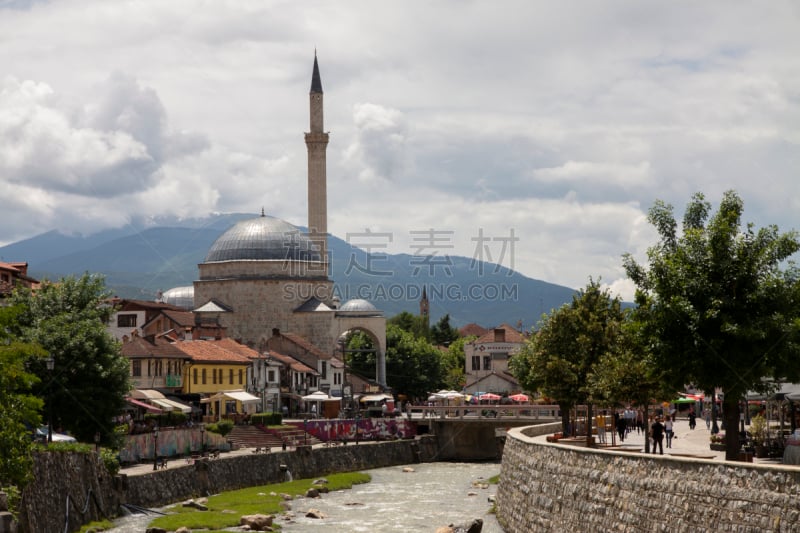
(139, 261)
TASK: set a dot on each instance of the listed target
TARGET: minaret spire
(317, 145)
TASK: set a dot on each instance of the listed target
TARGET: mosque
(264, 276)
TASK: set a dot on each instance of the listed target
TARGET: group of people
(660, 428)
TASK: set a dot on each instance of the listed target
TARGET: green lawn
(264, 499)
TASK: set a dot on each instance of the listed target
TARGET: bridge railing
(548, 412)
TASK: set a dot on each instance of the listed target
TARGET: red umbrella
(489, 396)
(521, 398)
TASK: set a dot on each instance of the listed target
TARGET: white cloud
(562, 122)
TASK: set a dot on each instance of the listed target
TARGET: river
(433, 495)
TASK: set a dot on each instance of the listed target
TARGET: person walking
(600, 422)
(668, 425)
(707, 413)
(622, 426)
(692, 419)
(657, 431)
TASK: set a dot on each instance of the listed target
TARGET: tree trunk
(588, 424)
(731, 416)
(564, 419)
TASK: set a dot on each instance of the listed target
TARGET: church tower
(317, 145)
(425, 308)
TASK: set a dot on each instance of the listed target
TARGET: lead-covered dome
(263, 238)
(182, 297)
(357, 304)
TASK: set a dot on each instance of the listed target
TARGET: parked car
(41, 436)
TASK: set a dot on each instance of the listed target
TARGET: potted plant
(718, 442)
(758, 433)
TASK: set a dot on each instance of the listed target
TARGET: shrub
(223, 427)
(267, 419)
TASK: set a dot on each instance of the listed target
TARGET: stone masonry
(555, 487)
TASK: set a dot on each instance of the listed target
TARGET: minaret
(425, 308)
(317, 144)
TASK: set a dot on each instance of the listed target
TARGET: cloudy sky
(455, 126)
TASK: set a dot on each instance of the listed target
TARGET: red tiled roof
(237, 347)
(472, 329)
(211, 351)
(512, 335)
(141, 347)
(305, 344)
(182, 318)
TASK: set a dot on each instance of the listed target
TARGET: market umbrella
(489, 396)
(521, 398)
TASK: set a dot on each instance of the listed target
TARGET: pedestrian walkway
(686, 442)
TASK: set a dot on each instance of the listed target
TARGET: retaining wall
(556, 487)
(80, 478)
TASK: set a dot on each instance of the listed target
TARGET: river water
(433, 495)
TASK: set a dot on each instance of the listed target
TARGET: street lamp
(305, 430)
(51, 364)
(155, 448)
(202, 440)
(97, 441)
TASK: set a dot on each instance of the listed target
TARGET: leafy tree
(454, 363)
(569, 344)
(19, 409)
(442, 333)
(412, 323)
(721, 312)
(91, 377)
(628, 373)
(413, 365)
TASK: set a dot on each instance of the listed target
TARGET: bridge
(477, 432)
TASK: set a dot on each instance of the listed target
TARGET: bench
(161, 463)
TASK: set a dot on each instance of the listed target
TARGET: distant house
(14, 275)
(132, 315)
(486, 360)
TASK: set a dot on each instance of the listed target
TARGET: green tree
(561, 355)
(19, 408)
(411, 323)
(442, 333)
(413, 365)
(628, 373)
(721, 311)
(90, 377)
(454, 363)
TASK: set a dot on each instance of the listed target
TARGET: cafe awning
(239, 396)
(147, 406)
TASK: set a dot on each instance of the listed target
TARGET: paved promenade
(687, 442)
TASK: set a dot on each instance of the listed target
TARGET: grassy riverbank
(225, 509)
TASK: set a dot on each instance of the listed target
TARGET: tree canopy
(722, 301)
(569, 343)
(19, 408)
(90, 377)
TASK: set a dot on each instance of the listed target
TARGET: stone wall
(553, 487)
(79, 484)
(215, 475)
(68, 490)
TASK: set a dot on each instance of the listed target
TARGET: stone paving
(686, 442)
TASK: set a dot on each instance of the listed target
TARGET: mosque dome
(182, 297)
(358, 304)
(263, 238)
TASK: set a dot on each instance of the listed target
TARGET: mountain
(142, 259)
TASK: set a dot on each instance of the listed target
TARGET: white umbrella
(318, 396)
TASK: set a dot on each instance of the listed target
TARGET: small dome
(262, 238)
(358, 304)
(182, 297)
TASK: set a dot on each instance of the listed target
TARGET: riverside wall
(558, 487)
(71, 489)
